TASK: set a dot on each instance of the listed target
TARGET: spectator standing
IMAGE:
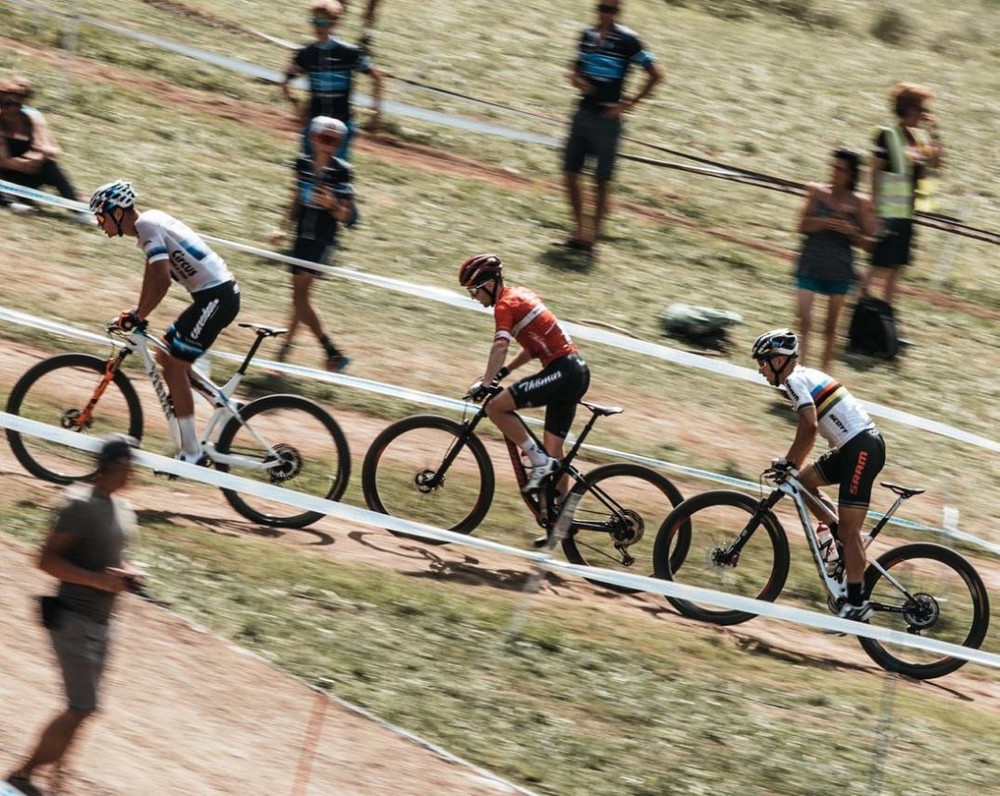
(606, 51)
(834, 220)
(329, 65)
(323, 199)
(902, 155)
(85, 550)
(28, 151)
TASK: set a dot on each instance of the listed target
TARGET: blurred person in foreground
(28, 151)
(173, 252)
(856, 456)
(606, 51)
(834, 220)
(85, 551)
(903, 155)
(322, 200)
(329, 64)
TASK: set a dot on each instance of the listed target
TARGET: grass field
(581, 705)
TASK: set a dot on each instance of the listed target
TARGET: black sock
(328, 346)
(854, 593)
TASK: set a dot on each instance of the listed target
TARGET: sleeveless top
(827, 254)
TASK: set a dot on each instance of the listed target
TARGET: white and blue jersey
(192, 262)
(604, 62)
(330, 68)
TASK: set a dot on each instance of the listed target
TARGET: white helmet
(775, 343)
(115, 194)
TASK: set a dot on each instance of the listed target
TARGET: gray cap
(116, 448)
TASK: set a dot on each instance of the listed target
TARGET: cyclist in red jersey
(520, 315)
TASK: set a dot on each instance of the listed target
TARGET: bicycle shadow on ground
(227, 527)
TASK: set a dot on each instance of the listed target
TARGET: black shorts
(558, 388)
(854, 465)
(315, 251)
(592, 134)
(197, 327)
(892, 249)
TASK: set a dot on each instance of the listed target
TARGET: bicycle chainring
(290, 466)
(923, 614)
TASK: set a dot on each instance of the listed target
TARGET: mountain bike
(435, 470)
(277, 439)
(730, 542)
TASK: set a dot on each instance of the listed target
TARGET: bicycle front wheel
(313, 453)
(944, 599)
(621, 506)
(423, 468)
(57, 391)
(703, 543)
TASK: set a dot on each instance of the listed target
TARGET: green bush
(893, 26)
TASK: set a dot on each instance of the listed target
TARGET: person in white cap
(322, 200)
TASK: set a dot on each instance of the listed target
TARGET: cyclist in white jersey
(855, 458)
(173, 252)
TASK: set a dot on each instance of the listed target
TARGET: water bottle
(828, 548)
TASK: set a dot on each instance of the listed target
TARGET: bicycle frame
(788, 484)
(139, 341)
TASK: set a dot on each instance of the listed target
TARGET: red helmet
(479, 269)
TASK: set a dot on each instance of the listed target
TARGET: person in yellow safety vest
(904, 155)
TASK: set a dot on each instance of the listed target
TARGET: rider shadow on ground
(226, 527)
(468, 571)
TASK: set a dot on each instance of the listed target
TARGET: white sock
(535, 452)
(189, 435)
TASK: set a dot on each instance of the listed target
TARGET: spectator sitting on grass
(28, 151)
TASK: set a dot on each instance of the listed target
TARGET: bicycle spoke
(55, 392)
(405, 474)
(928, 591)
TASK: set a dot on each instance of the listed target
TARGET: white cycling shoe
(538, 473)
(856, 613)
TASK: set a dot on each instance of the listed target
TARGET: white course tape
(372, 519)
(581, 331)
(452, 404)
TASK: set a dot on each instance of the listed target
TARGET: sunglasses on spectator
(327, 138)
(323, 22)
(607, 8)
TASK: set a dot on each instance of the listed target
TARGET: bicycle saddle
(263, 331)
(602, 411)
(902, 491)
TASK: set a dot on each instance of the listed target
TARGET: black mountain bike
(435, 470)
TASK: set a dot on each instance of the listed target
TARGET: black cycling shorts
(197, 327)
(315, 251)
(854, 465)
(558, 388)
(893, 248)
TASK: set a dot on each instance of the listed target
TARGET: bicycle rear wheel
(949, 603)
(403, 474)
(621, 505)
(313, 450)
(696, 546)
(56, 391)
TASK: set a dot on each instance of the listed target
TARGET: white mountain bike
(279, 439)
(730, 542)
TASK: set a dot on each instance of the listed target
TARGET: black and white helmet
(776, 342)
(115, 194)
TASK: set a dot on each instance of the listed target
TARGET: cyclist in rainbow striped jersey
(855, 458)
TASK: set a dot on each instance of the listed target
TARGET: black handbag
(51, 609)
(873, 329)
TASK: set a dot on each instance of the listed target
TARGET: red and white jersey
(521, 315)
